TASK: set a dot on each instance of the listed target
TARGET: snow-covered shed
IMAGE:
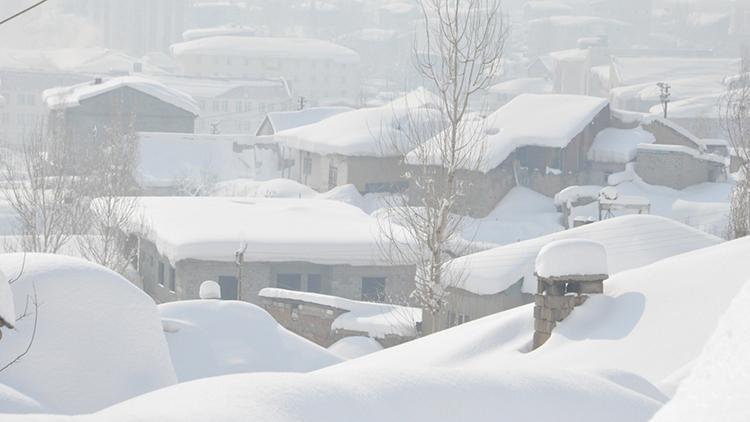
(360, 147)
(503, 277)
(314, 245)
(147, 104)
(327, 319)
(537, 141)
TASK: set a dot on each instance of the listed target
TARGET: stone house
(326, 319)
(144, 104)
(313, 245)
(360, 147)
(498, 279)
(537, 141)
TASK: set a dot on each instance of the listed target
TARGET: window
(172, 279)
(160, 275)
(289, 281)
(307, 166)
(333, 176)
(314, 283)
(228, 284)
(373, 289)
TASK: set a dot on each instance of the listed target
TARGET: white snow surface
(267, 47)
(375, 319)
(214, 337)
(284, 120)
(65, 97)
(520, 86)
(613, 145)
(371, 132)
(98, 340)
(718, 386)
(571, 257)
(7, 306)
(353, 347)
(274, 188)
(209, 289)
(169, 159)
(517, 124)
(411, 394)
(651, 321)
(274, 229)
(630, 241)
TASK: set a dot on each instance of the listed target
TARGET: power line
(6, 20)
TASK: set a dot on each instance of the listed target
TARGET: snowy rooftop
(230, 30)
(369, 132)
(283, 120)
(613, 145)
(571, 257)
(74, 60)
(522, 86)
(639, 70)
(275, 230)
(630, 241)
(517, 124)
(267, 47)
(376, 319)
(215, 87)
(65, 97)
(703, 106)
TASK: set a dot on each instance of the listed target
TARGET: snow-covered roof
(683, 150)
(210, 338)
(369, 132)
(283, 120)
(73, 60)
(376, 319)
(168, 159)
(631, 241)
(550, 121)
(267, 47)
(275, 230)
(522, 86)
(613, 145)
(571, 257)
(571, 55)
(225, 30)
(640, 70)
(66, 97)
(576, 20)
(700, 107)
(216, 87)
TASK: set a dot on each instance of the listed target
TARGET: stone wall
(676, 169)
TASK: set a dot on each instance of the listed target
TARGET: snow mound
(354, 347)
(98, 339)
(208, 338)
(718, 387)
(571, 257)
(393, 395)
(7, 307)
(274, 188)
(11, 401)
(347, 194)
(209, 290)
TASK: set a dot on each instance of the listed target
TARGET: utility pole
(302, 101)
(37, 4)
(664, 96)
(239, 260)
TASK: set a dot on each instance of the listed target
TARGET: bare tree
(31, 301)
(110, 170)
(458, 52)
(42, 186)
(735, 117)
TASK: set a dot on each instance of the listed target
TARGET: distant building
(278, 121)
(319, 71)
(286, 244)
(144, 104)
(359, 147)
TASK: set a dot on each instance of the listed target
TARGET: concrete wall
(337, 280)
(666, 135)
(467, 306)
(676, 169)
(148, 114)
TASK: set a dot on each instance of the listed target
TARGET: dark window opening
(289, 281)
(314, 283)
(228, 284)
(172, 279)
(373, 289)
(160, 275)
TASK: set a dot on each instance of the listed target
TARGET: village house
(319, 71)
(143, 104)
(537, 141)
(502, 278)
(278, 121)
(247, 244)
(362, 147)
(326, 319)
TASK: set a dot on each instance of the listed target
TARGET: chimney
(567, 271)
(137, 67)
